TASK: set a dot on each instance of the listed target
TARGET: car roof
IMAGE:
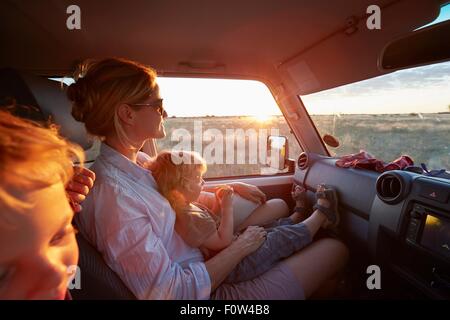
(310, 44)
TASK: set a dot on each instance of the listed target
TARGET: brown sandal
(331, 212)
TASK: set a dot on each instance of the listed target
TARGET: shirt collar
(122, 163)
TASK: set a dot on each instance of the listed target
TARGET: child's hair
(172, 170)
(31, 157)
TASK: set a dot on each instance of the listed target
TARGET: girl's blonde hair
(101, 86)
(31, 157)
(172, 170)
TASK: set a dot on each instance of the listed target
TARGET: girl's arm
(224, 235)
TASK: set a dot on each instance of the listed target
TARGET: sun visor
(350, 52)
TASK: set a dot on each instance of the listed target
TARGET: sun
(262, 117)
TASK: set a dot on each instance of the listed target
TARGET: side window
(226, 121)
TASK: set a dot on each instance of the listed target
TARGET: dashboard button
(434, 192)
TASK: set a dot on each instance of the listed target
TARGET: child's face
(36, 252)
(193, 187)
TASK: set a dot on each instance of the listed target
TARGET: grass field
(424, 137)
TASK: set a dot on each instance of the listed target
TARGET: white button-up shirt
(132, 225)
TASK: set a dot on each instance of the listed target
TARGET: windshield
(403, 113)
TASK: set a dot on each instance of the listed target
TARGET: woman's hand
(78, 188)
(251, 239)
(220, 266)
(249, 192)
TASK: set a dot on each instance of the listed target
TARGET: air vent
(302, 161)
(390, 188)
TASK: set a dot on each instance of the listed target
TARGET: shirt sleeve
(125, 234)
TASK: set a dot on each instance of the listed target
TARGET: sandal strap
(320, 195)
(329, 213)
(327, 195)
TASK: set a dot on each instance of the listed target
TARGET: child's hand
(224, 196)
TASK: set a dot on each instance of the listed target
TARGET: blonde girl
(179, 176)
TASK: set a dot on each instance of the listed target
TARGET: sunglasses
(158, 104)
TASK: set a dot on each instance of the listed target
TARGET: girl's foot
(327, 204)
(300, 197)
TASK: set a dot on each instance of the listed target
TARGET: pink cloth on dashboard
(365, 160)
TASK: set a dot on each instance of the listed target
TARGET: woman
(133, 225)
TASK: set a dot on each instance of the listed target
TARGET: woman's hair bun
(77, 93)
(101, 86)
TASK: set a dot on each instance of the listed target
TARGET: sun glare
(262, 117)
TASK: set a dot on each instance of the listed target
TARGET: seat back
(97, 280)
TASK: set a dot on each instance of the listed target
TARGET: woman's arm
(246, 191)
(249, 192)
(220, 266)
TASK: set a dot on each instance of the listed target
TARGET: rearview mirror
(330, 140)
(420, 47)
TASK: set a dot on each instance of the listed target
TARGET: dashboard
(401, 218)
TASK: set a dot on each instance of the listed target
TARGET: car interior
(295, 48)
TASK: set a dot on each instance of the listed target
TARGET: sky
(443, 16)
(185, 97)
(418, 90)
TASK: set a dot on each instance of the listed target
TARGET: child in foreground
(38, 249)
(179, 176)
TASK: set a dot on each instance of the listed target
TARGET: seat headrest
(49, 100)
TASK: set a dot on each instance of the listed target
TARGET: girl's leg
(281, 242)
(300, 197)
(268, 212)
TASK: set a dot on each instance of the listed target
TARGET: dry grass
(426, 137)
